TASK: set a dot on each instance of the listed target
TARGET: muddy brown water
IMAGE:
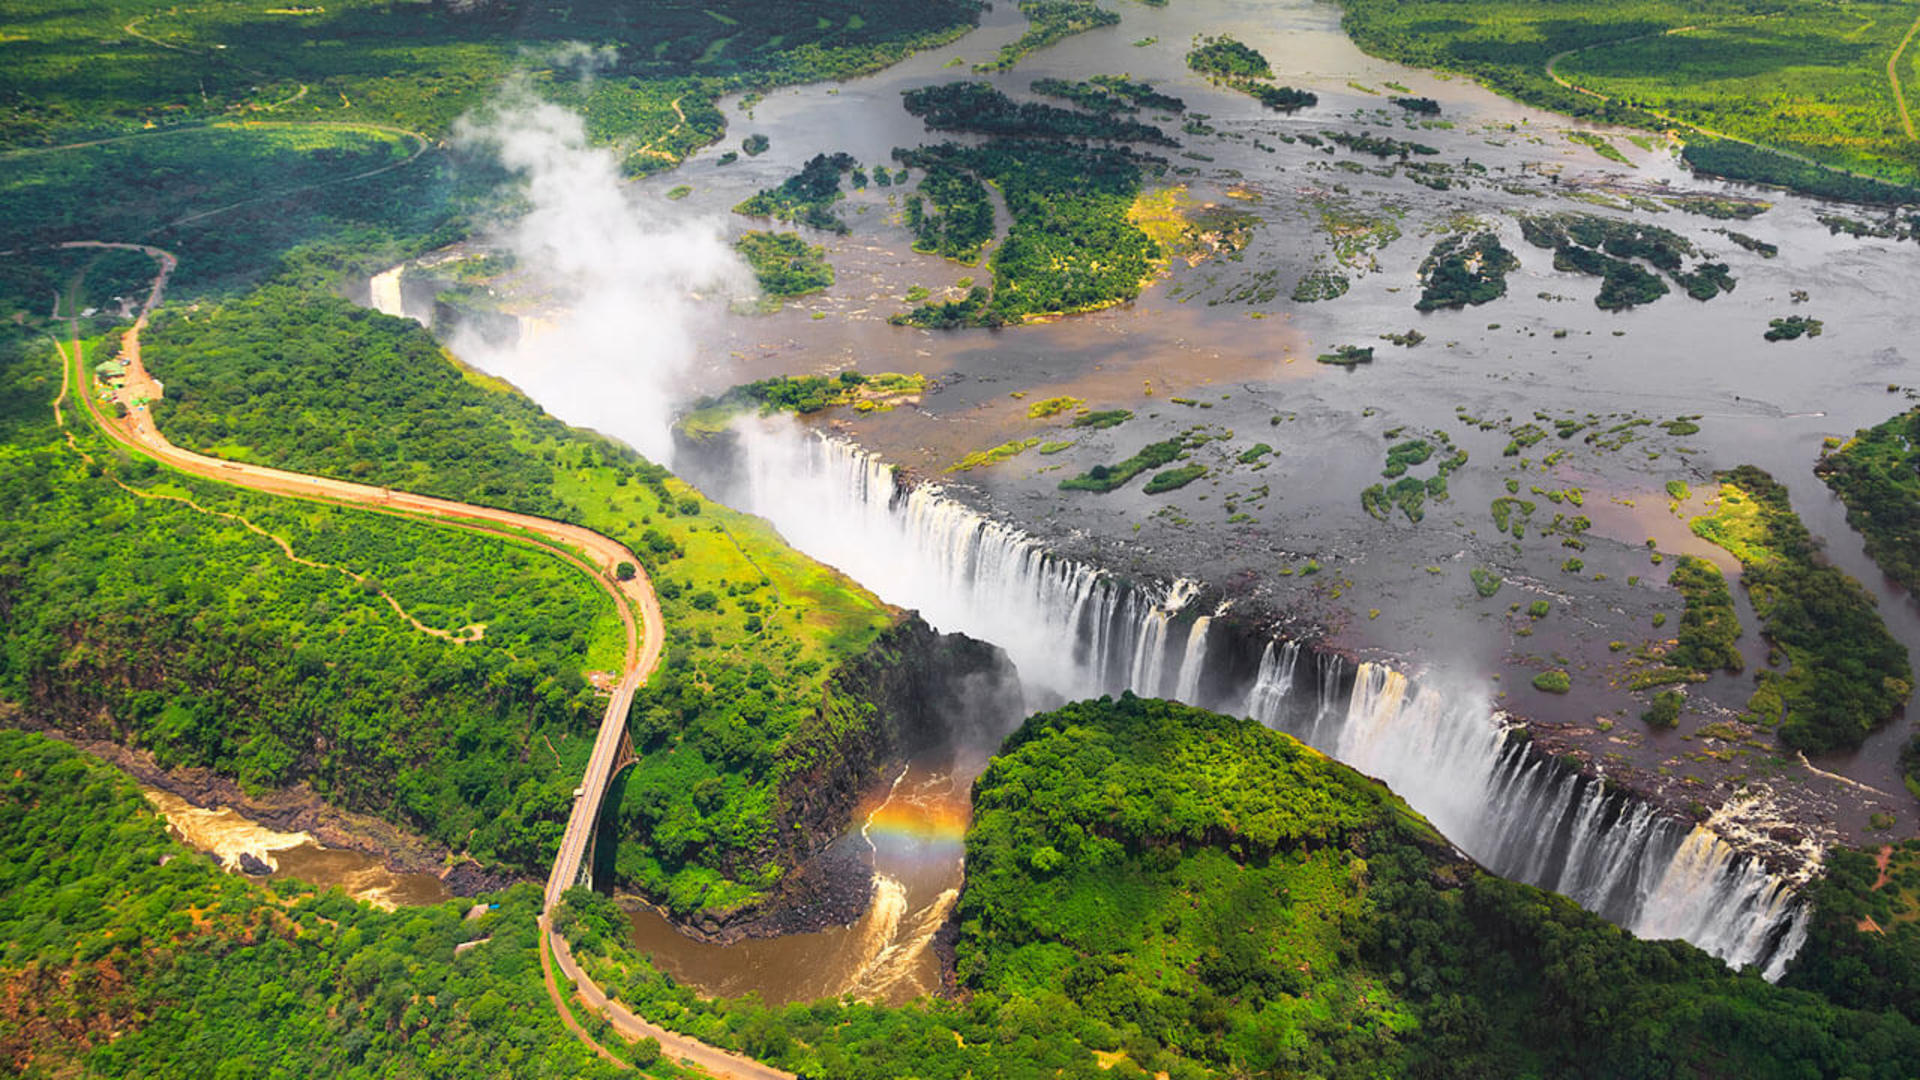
(912, 838)
(226, 834)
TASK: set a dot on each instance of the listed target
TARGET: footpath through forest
(599, 556)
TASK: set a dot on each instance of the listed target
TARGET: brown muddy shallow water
(223, 833)
(911, 835)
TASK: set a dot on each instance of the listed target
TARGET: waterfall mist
(619, 279)
(1074, 631)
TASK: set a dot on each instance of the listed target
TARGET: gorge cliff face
(913, 692)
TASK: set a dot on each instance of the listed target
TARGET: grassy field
(1812, 78)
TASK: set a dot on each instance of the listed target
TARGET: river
(227, 835)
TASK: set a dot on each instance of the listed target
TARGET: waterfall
(1078, 631)
(1192, 661)
(385, 292)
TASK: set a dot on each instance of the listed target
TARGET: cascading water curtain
(1077, 632)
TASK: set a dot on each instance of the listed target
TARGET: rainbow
(926, 823)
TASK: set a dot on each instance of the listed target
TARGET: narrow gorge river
(912, 837)
(228, 836)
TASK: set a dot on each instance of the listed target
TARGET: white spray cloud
(620, 278)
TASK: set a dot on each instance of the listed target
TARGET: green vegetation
(317, 385)
(1103, 418)
(1379, 146)
(1665, 711)
(1320, 284)
(1348, 356)
(806, 197)
(806, 394)
(1539, 609)
(1224, 57)
(1408, 493)
(1486, 582)
(247, 139)
(1053, 406)
(960, 222)
(1863, 943)
(1183, 893)
(755, 145)
(1465, 269)
(1423, 106)
(1253, 453)
(1174, 479)
(144, 610)
(1110, 93)
(1709, 626)
(76, 73)
(1278, 98)
(1718, 208)
(146, 959)
(1602, 246)
(1103, 478)
(1048, 21)
(1846, 674)
(1737, 161)
(1877, 475)
(1796, 76)
(1070, 248)
(1599, 145)
(1793, 327)
(998, 454)
(979, 108)
(785, 264)
(1552, 682)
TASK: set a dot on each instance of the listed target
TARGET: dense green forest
(114, 67)
(1155, 889)
(316, 384)
(138, 606)
(1846, 675)
(1465, 268)
(1071, 246)
(806, 197)
(1874, 473)
(127, 954)
(1606, 247)
(1877, 474)
(239, 135)
(784, 263)
(951, 215)
(979, 108)
(1803, 75)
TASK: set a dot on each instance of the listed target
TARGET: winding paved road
(598, 555)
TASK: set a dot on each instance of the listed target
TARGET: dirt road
(599, 555)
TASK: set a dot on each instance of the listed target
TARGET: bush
(1665, 712)
(1553, 682)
